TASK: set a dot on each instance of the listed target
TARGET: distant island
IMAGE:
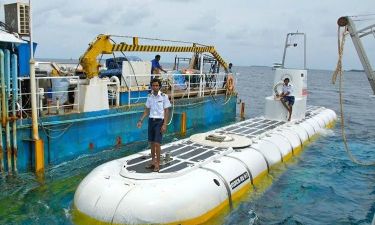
(354, 70)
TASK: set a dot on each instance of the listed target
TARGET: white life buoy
(277, 88)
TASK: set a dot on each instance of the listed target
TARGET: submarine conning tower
(298, 79)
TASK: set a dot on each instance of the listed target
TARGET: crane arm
(356, 36)
(103, 45)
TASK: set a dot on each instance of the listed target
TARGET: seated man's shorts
(154, 127)
(289, 100)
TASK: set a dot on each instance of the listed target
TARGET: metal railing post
(189, 86)
(129, 89)
(2, 105)
(14, 73)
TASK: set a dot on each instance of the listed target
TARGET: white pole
(201, 76)
(38, 143)
(130, 89)
(34, 114)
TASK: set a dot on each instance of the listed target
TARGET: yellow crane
(103, 45)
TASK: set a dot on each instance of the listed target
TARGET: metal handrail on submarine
(288, 43)
(104, 45)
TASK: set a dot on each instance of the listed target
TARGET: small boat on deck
(276, 66)
(204, 174)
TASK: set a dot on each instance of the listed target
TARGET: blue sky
(244, 32)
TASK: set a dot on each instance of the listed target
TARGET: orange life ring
(230, 84)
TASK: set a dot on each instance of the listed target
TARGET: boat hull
(66, 137)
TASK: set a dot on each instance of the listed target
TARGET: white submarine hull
(200, 177)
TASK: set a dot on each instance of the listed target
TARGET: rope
(131, 66)
(172, 98)
(228, 96)
(227, 99)
(192, 105)
(340, 42)
(47, 131)
(338, 71)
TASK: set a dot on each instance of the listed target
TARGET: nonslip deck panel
(188, 153)
(142, 167)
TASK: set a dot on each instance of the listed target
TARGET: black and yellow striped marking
(104, 45)
(154, 48)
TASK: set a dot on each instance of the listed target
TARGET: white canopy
(7, 37)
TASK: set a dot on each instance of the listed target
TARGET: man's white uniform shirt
(157, 104)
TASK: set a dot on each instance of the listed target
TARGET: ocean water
(320, 186)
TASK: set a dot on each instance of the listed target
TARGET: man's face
(286, 81)
(157, 59)
(155, 87)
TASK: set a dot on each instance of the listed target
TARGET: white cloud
(245, 32)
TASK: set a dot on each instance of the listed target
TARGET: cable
(171, 117)
(6, 28)
(338, 71)
(363, 15)
(135, 77)
(225, 101)
(157, 39)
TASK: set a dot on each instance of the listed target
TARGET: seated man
(287, 99)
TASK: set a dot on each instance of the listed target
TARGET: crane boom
(356, 36)
(103, 45)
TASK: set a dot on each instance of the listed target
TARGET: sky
(245, 32)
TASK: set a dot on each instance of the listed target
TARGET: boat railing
(176, 85)
(53, 95)
(58, 95)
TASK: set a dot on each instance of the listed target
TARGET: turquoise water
(320, 186)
